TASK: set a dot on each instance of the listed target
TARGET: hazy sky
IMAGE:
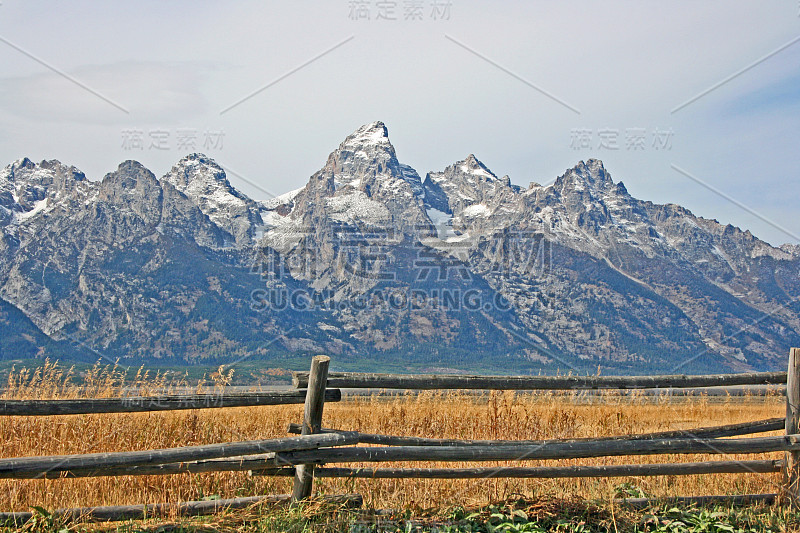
(530, 88)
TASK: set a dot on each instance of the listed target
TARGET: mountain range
(369, 262)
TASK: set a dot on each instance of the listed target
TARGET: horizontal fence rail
(727, 430)
(544, 472)
(236, 464)
(268, 466)
(263, 464)
(557, 450)
(727, 500)
(352, 380)
(113, 513)
(33, 467)
(133, 404)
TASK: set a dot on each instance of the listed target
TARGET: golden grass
(447, 414)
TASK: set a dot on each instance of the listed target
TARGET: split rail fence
(303, 456)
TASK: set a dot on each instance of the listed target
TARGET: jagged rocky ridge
(373, 264)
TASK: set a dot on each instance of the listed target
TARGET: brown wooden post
(792, 423)
(312, 422)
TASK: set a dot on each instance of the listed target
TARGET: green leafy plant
(629, 490)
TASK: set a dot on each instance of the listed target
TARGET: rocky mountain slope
(373, 264)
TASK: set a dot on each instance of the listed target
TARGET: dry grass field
(448, 414)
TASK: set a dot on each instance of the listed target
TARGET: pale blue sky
(624, 65)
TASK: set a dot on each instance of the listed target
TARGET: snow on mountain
(205, 182)
(591, 274)
(27, 188)
(791, 249)
(472, 194)
(285, 199)
(364, 183)
(443, 222)
(476, 210)
(275, 212)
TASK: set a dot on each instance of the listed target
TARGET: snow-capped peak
(374, 133)
(196, 171)
(591, 173)
(463, 184)
(25, 185)
(472, 165)
(200, 178)
(21, 163)
(366, 160)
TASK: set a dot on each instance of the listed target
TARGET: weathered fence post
(792, 422)
(312, 422)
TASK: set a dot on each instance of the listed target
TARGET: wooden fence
(302, 457)
(138, 404)
(701, 440)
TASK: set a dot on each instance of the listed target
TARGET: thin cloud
(151, 91)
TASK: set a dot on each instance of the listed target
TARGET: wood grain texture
(312, 422)
(727, 430)
(353, 380)
(33, 467)
(196, 508)
(138, 404)
(544, 472)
